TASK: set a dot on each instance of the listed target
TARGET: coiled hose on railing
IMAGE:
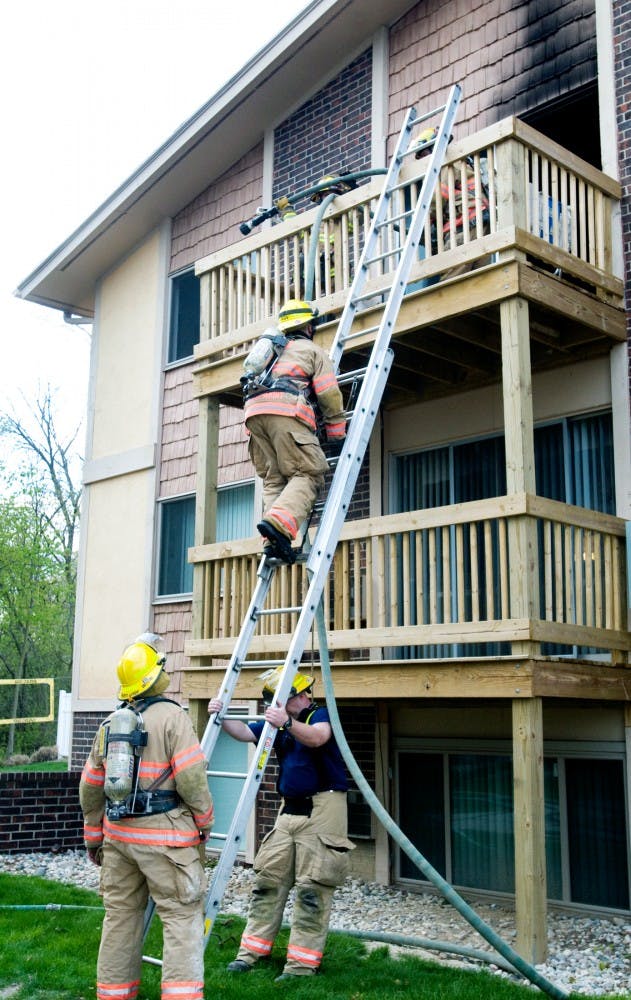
(516, 961)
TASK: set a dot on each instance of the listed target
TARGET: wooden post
(205, 501)
(198, 714)
(511, 184)
(520, 462)
(529, 815)
(382, 786)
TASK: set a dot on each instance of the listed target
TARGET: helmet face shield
(156, 642)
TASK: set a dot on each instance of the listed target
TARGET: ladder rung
(359, 333)
(351, 376)
(300, 557)
(371, 295)
(363, 332)
(280, 611)
(227, 774)
(394, 218)
(261, 663)
(384, 255)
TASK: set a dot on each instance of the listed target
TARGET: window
(177, 529)
(235, 512)
(462, 822)
(573, 464)
(230, 757)
(184, 316)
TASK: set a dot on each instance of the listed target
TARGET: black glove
(95, 855)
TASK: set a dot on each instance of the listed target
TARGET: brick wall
(622, 70)
(84, 727)
(40, 812)
(328, 133)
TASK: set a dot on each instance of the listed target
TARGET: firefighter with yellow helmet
(308, 847)
(281, 404)
(147, 812)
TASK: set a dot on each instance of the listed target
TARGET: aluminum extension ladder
(385, 250)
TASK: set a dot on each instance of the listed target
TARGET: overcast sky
(88, 90)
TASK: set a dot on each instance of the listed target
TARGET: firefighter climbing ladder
(389, 256)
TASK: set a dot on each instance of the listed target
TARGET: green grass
(51, 955)
(46, 765)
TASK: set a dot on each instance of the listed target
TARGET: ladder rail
(345, 477)
(418, 220)
(347, 468)
(265, 575)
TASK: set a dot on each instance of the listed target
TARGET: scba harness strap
(138, 802)
(256, 382)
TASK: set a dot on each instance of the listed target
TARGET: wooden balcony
(507, 597)
(546, 238)
(446, 596)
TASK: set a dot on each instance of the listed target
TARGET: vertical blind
(235, 512)
(478, 850)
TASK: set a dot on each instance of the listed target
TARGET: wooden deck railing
(439, 582)
(505, 190)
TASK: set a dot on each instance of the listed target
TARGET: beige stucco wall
(115, 562)
(574, 389)
(567, 721)
(117, 565)
(129, 353)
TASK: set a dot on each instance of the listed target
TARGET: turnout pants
(175, 879)
(288, 458)
(311, 852)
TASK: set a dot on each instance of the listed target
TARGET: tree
(39, 518)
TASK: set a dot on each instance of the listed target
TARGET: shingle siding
(211, 220)
(508, 57)
(178, 459)
(180, 416)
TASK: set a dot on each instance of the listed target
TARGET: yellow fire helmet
(424, 142)
(140, 665)
(294, 314)
(300, 683)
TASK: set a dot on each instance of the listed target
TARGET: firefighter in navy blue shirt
(308, 846)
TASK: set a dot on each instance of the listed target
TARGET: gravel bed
(587, 955)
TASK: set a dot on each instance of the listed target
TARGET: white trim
(206, 144)
(102, 705)
(268, 170)
(619, 367)
(84, 518)
(380, 97)
(122, 464)
(163, 322)
(606, 88)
